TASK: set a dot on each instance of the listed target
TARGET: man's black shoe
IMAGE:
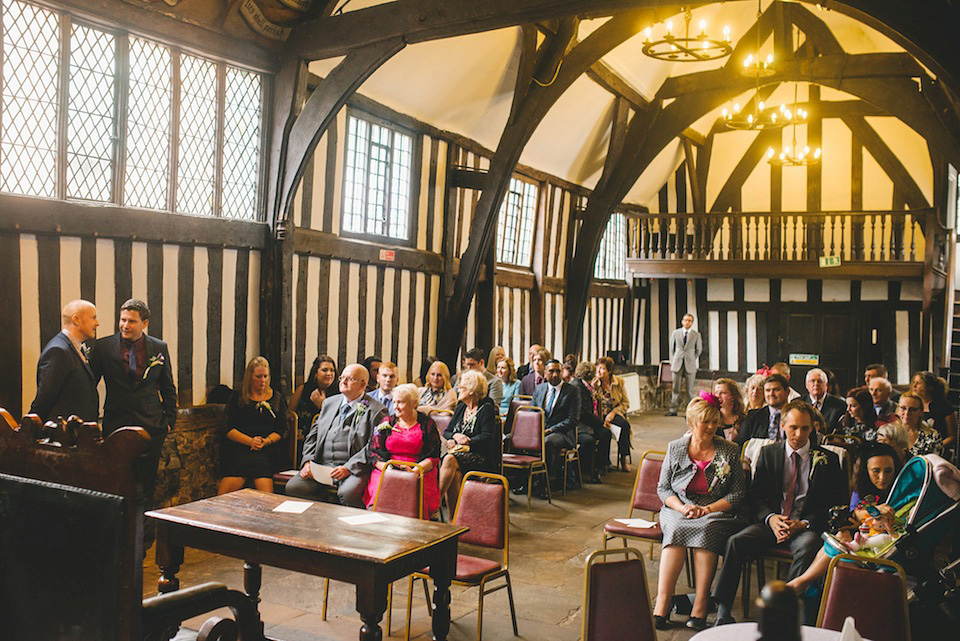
(520, 489)
(670, 413)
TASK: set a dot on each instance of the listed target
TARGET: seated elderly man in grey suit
(338, 438)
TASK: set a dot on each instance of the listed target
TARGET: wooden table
(243, 525)
(741, 631)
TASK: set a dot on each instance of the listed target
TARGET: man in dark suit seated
(66, 385)
(832, 407)
(765, 422)
(881, 391)
(338, 438)
(878, 370)
(561, 407)
(795, 485)
(137, 370)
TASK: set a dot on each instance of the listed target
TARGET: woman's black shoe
(697, 623)
(661, 623)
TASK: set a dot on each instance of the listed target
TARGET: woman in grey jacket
(701, 486)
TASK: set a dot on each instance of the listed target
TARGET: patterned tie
(342, 416)
(774, 432)
(791, 486)
(131, 358)
(684, 338)
(551, 399)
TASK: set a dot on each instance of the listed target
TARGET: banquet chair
(518, 401)
(482, 507)
(526, 450)
(400, 492)
(644, 497)
(71, 542)
(294, 444)
(664, 382)
(876, 599)
(442, 419)
(616, 599)
(569, 456)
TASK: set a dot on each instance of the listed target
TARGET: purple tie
(791, 486)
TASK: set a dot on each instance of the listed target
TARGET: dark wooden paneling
(240, 317)
(214, 314)
(700, 285)
(48, 254)
(155, 287)
(432, 194)
(300, 318)
(71, 218)
(88, 270)
(343, 328)
(123, 271)
(331, 175)
(361, 328)
(306, 208)
(185, 317)
(10, 318)
(509, 278)
(322, 244)
(324, 319)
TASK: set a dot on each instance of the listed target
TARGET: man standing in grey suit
(685, 348)
(338, 438)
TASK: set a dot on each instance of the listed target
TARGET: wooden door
(834, 337)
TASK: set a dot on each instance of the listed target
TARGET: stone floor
(548, 547)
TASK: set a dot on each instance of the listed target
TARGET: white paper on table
(364, 519)
(615, 431)
(849, 631)
(321, 473)
(293, 507)
(636, 522)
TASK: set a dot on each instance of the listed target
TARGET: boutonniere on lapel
(85, 350)
(721, 471)
(362, 408)
(264, 406)
(155, 361)
(818, 458)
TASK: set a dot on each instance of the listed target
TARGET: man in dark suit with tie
(832, 407)
(338, 438)
(66, 385)
(137, 370)
(795, 485)
(765, 422)
(880, 391)
(561, 406)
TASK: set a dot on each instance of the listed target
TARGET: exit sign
(388, 255)
(804, 359)
(829, 261)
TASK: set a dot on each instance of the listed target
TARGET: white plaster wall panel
(836, 291)
(793, 290)
(756, 290)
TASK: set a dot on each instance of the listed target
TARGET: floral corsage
(818, 458)
(721, 472)
(264, 406)
(155, 361)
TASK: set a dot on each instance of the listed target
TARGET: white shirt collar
(76, 345)
(557, 386)
(804, 451)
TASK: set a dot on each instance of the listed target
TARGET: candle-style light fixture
(793, 155)
(686, 47)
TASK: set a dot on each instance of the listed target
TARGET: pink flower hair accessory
(710, 399)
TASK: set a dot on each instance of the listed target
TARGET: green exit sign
(829, 261)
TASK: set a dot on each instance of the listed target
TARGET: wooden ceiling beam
(903, 182)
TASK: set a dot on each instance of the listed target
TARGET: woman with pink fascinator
(701, 486)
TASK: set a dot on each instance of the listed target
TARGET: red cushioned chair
(877, 601)
(400, 492)
(616, 601)
(525, 449)
(483, 508)
(644, 497)
(294, 443)
(442, 419)
(518, 401)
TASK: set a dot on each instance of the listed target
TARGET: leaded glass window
(612, 258)
(515, 223)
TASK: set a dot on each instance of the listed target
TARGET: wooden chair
(665, 382)
(526, 449)
(644, 497)
(616, 599)
(400, 492)
(518, 401)
(877, 600)
(71, 542)
(483, 508)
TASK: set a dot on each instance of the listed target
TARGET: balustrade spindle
(833, 237)
(683, 236)
(793, 252)
(843, 238)
(664, 236)
(913, 238)
(645, 226)
(883, 236)
(873, 236)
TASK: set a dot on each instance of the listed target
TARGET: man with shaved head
(66, 385)
(338, 439)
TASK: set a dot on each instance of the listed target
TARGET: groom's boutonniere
(155, 361)
(264, 406)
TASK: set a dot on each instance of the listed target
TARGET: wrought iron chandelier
(793, 155)
(686, 47)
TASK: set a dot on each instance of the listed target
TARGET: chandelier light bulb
(770, 59)
(816, 154)
(646, 34)
(669, 27)
(748, 61)
(760, 105)
(726, 34)
(703, 28)
(770, 153)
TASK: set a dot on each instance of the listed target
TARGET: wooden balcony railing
(885, 236)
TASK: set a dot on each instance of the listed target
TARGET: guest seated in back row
(795, 485)
(732, 410)
(537, 373)
(560, 402)
(410, 436)
(701, 486)
(880, 390)
(921, 438)
(509, 383)
(437, 393)
(765, 422)
(387, 376)
(471, 436)
(860, 419)
(254, 425)
(321, 383)
(831, 407)
(612, 404)
(592, 434)
(475, 360)
(338, 438)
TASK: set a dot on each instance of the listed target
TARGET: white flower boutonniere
(85, 350)
(721, 471)
(155, 361)
(264, 406)
(362, 408)
(817, 459)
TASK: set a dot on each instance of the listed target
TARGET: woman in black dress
(937, 410)
(254, 427)
(308, 398)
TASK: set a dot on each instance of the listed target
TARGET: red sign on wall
(388, 255)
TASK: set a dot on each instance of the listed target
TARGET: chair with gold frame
(482, 507)
(644, 497)
(877, 600)
(526, 450)
(616, 598)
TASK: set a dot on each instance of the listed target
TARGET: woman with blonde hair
(732, 409)
(254, 425)
(509, 382)
(754, 397)
(407, 435)
(701, 486)
(612, 406)
(921, 438)
(894, 434)
(436, 393)
(497, 354)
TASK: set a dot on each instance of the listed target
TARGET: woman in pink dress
(411, 436)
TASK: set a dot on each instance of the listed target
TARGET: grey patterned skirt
(709, 532)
